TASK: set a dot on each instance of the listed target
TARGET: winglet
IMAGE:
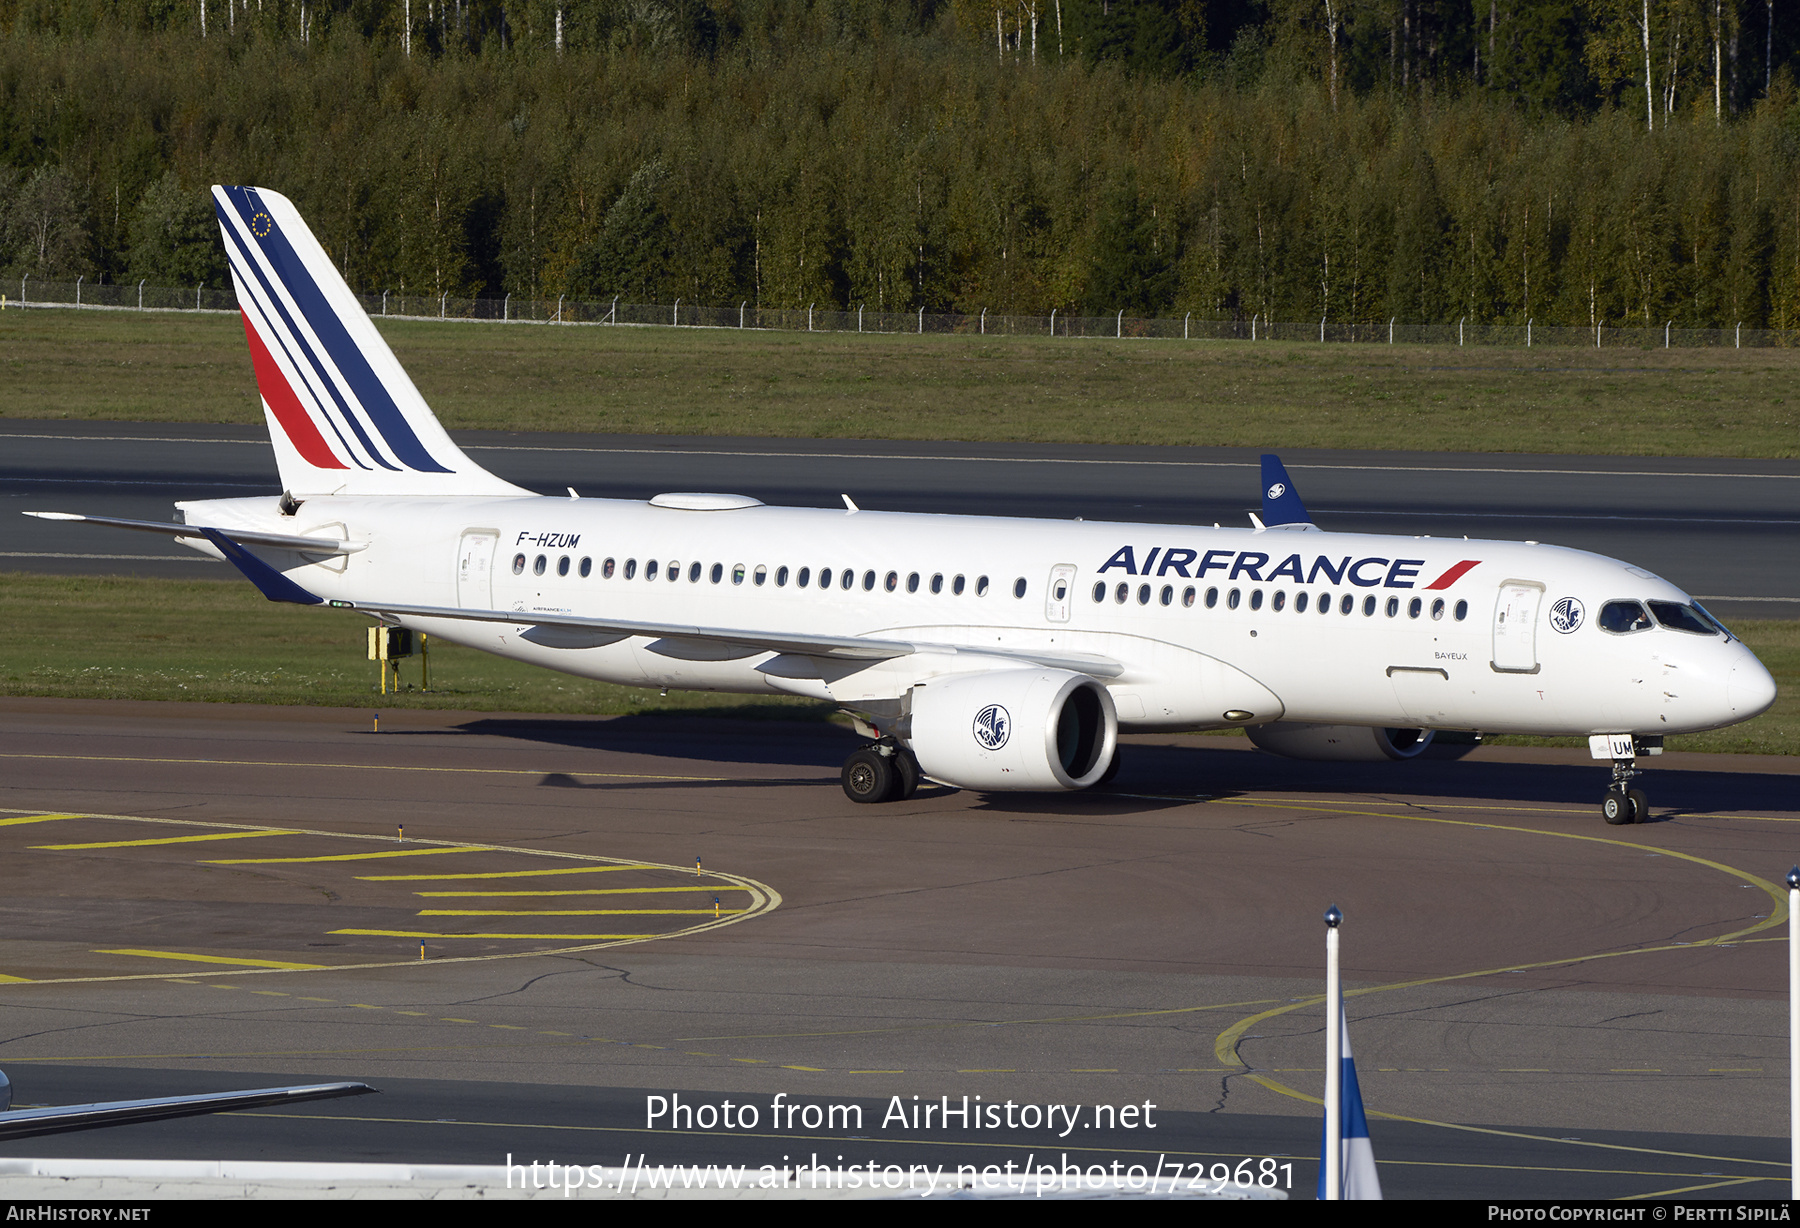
(271, 583)
(1281, 506)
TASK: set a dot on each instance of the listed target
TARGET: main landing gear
(1624, 804)
(882, 771)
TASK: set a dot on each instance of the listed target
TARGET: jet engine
(1341, 743)
(1013, 729)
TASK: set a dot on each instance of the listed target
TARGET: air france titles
(1255, 566)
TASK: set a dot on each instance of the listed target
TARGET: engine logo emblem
(1566, 614)
(993, 725)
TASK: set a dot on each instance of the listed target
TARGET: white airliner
(981, 652)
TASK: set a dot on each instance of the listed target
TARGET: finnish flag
(1359, 1179)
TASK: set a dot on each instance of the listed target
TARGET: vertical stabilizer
(1281, 506)
(343, 415)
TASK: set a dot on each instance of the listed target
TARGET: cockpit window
(1679, 617)
(1623, 617)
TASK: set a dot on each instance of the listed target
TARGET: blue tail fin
(1281, 506)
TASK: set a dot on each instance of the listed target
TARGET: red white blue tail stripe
(336, 397)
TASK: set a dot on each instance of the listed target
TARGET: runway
(1726, 530)
(1544, 1006)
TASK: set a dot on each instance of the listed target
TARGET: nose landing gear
(1622, 803)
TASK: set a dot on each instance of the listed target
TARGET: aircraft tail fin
(343, 415)
(1281, 506)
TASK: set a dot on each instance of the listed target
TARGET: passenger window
(1393, 606)
(693, 573)
(762, 574)
(1232, 598)
(801, 579)
(868, 582)
(1347, 604)
(891, 582)
(846, 578)
(1279, 600)
(937, 582)
(737, 573)
(537, 565)
(674, 571)
(1369, 606)
(606, 568)
(587, 568)
(1168, 594)
(1187, 597)
(1143, 594)
(1325, 603)
(781, 577)
(1462, 610)
(1256, 599)
(650, 569)
(718, 572)
(956, 586)
(1122, 592)
(1437, 608)
(1212, 598)
(518, 564)
(630, 568)
(1414, 606)
(1019, 587)
(981, 586)
(912, 583)
(1099, 591)
(1299, 603)
(562, 565)
(1623, 617)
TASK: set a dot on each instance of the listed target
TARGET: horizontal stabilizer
(284, 541)
(60, 1119)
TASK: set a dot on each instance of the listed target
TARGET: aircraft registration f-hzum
(986, 653)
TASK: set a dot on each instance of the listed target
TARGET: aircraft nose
(1750, 689)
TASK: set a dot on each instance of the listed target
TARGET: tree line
(1354, 161)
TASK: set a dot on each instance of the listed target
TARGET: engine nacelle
(1013, 729)
(1340, 743)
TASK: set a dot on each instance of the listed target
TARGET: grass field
(219, 641)
(122, 366)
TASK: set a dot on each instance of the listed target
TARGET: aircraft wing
(284, 541)
(28, 1123)
(831, 647)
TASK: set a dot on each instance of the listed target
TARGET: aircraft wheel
(906, 774)
(869, 776)
(1616, 808)
(1640, 806)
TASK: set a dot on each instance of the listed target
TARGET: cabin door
(1515, 626)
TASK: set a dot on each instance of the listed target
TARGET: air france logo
(1566, 615)
(1277, 490)
(993, 725)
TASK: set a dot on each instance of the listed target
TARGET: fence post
(1391, 329)
(741, 307)
(1459, 330)
(1120, 323)
(141, 281)
(1739, 343)
(921, 321)
(443, 304)
(859, 311)
(612, 314)
(197, 290)
(506, 307)
(78, 290)
(1666, 328)
(984, 321)
(1598, 325)
(1184, 325)
(1053, 321)
(1253, 326)
(559, 299)
(1528, 332)
(677, 313)
(809, 308)
(384, 295)
(1321, 329)
(22, 282)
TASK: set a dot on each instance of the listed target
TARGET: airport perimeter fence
(144, 297)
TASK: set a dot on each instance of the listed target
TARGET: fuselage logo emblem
(1278, 490)
(1566, 615)
(993, 725)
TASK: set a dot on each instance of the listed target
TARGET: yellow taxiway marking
(525, 937)
(1226, 1043)
(36, 818)
(422, 878)
(283, 861)
(214, 959)
(576, 912)
(362, 767)
(4, 978)
(591, 891)
(131, 844)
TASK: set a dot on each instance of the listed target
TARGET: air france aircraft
(985, 653)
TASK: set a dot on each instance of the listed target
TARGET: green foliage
(175, 240)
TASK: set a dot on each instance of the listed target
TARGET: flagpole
(1334, 1061)
(1793, 883)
